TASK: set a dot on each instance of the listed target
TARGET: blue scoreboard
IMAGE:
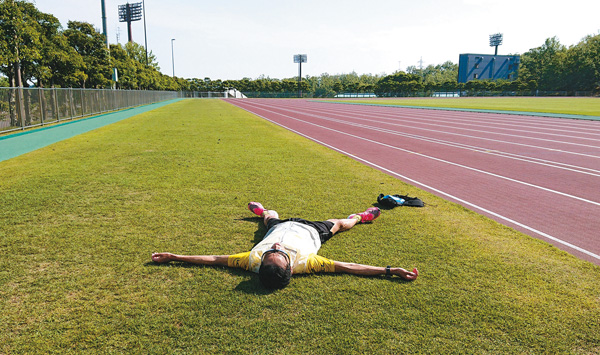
(487, 66)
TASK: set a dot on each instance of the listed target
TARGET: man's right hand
(162, 257)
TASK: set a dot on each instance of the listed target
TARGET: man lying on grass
(290, 247)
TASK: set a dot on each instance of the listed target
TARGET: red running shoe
(370, 214)
(256, 208)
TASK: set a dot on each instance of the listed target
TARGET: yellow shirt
(313, 263)
(300, 241)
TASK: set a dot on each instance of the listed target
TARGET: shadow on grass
(261, 230)
(382, 207)
(395, 279)
(254, 287)
(250, 286)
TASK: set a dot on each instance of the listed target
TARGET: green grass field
(80, 218)
(588, 106)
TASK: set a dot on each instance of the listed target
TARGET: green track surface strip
(20, 143)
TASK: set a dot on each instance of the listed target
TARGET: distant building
(487, 66)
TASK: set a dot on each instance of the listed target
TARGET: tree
(437, 77)
(582, 72)
(399, 83)
(20, 34)
(90, 44)
(133, 72)
(126, 68)
(289, 85)
(137, 52)
(20, 40)
(59, 63)
(545, 65)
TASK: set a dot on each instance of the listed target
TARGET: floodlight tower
(299, 58)
(104, 32)
(128, 13)
(173, 56)
(495, 41)
(145, 36)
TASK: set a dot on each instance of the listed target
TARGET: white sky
(239, 38)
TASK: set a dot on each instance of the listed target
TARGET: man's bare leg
(268, 214)
(259, 210)
(341, 225)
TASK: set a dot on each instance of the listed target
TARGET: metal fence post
(71, 104)
(55, 105)
(99, 104)
(83, 104)
(41, 104)
(20, 107)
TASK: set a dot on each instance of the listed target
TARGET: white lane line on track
(562, 123)
(448, 133)
(460, 120)
(451, 117)
(482, 131)
(483, 150)
(495, 152)
(434, 158)
(477, 207)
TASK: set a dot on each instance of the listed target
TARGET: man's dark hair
(273, 276)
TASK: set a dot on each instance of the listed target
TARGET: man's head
(275, 269)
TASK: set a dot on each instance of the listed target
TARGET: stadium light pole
(128, 13)
(495, 41)
(145, 36)
(173, 56)
(300, 79)
(104, 32)
(300, 58)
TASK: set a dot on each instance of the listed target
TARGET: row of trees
(324, 85)
(36, 51)
(550, 67)
(436, 78)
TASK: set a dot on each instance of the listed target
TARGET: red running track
(539, 175)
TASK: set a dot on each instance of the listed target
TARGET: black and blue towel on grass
(391, 201)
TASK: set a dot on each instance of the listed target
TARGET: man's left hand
(407, 275)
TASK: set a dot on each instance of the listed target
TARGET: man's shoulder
(314, 263)
(239, 260)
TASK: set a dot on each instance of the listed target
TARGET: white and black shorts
(322, 227)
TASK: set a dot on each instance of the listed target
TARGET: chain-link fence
(205, 94)
(229, 93)
(22, 108)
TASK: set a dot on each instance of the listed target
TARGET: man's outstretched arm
(368, 270)
(193, 259)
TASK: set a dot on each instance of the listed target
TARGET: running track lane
(538, 175)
